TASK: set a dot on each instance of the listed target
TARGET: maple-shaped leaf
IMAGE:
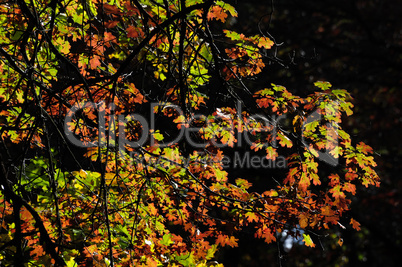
(284, 140)
(216, 12)
(232, 241)
(65, 48)
(152, 209)
(315, 178)
(132, 31)
(304, 182)
(224, 240)
(308, 241)
(227, 7)
(336, 192)
(323, 85)
(265, 42)
(364, 148)
(242, 183)
(251, 216)
(109, 36)
(37, 251)
(94, 62)
(348, 187)
(228, 138)
(271, 153)
(351, 175)
(290, 178)
(334, 179)
(232, 35)
(355, 224)
(264, 102)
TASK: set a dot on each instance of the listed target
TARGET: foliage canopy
(92, 93)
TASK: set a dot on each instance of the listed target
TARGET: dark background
(355, 45)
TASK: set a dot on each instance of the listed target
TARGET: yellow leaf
(308, 241)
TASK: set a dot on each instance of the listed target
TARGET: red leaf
(111, 9)
(111, 24)
(132, 31)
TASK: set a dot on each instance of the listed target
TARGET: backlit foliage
(162, 202)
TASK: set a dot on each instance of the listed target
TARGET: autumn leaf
(265, 42)
(304, 182)
(224, 240)
(121, 181)
(271, 153)
(132, 32)
(94, 62)
(348, 187)
(303, 220)
(323, 85)
(111, 9)
(216, 12)
(355, 224)
(284, 140)
(308, 241)
(364, 148)
(227, 7)
(251, 216)
(38, 251)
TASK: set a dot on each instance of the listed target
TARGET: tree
(122, 123)
(356, 44)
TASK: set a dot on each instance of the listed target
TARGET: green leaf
(227, 7)
(166, 240)
(232, 35)
(311, 126)
(323, 85)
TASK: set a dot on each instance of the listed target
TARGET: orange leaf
(109, 36)
(348, 187)
(217, 13)
(355, 224)
(271, 153)
(38, 251)
(364, 148)
(251, 217)
(152, 209)
(94, 62)
(304, 182)
(303, 220)
(265, 42)
(221, 240)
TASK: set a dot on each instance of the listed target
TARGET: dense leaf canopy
(125, 126)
